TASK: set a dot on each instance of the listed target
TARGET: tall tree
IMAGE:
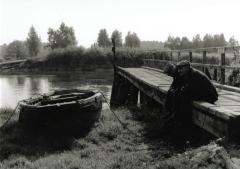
(197, 42)
(169, 43)
(222, 40)
(177, 43)
(103, 39)
(3, 49)
(61, 38)
(185, 43)
(219, 40)
(33, 42)
(232, 41)
(208, 41)
(173, 43)
(118, 38)
(16, 50)
(132, 40)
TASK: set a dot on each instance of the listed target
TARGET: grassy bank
(108, 145)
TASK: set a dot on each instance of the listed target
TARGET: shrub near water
(98, 57)
(77, 57)
(80, 58)
(64, 57)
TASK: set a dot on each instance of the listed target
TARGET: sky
(152, 20)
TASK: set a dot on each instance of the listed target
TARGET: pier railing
(217, 62)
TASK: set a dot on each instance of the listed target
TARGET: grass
(211, 156)
(107, 145)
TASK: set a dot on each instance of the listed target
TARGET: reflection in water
(14, 88)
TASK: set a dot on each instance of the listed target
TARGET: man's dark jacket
(200, 87)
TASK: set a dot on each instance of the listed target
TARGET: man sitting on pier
(172, 94)
(188, 84)
(199, 85)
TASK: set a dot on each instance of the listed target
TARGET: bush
(65, 57)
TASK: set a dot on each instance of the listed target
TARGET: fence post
(204, 60)
(146, 63)
(179, 54)
(223, 68)
(143, 60)
(190, 56)
(155, 60)
(215, 74)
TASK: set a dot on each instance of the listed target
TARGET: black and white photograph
(119, 84)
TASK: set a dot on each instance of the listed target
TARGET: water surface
(14, 88)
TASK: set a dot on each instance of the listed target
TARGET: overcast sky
(150, 19)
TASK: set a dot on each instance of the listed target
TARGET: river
(14, 88)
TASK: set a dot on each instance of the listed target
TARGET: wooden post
(222, 68)
(171, 56)
(124, 61)
(148, 62)
(204, 60)
(179, 54)
(157, 63)
(150, 108)
(152, 61)
(145, 62)
(113, 100)
(114, 52)
(190, 56)
(215, 75)
(120, 91)
(132, 98)
(143, 101)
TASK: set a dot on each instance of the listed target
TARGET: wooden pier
(11, 64)
(220, 119)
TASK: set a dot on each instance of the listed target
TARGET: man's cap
(169, 69)
(183, 63)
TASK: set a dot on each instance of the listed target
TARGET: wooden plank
(13, 62)
(148, 89)
(219, 86)
(235, 108)
(213, 110)
(146, 78)
(226, 100)
(218, 128)
(226, 92)
(232, 98)
(153, 61)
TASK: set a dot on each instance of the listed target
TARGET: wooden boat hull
(63, 112)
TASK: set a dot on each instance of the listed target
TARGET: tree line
(64, 37)
(208, 40)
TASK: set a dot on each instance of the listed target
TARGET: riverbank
(109, 145)
(23, 69)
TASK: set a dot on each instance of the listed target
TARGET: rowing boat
(71, 109)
